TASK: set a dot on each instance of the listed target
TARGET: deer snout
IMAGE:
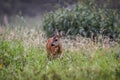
(54, 43)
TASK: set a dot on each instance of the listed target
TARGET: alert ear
(56, 33)
(61, 33)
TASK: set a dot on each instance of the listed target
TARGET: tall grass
(23, 57)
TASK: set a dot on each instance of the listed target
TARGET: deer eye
(56, 40)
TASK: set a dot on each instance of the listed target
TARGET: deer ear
(61, 33)
(56, 32)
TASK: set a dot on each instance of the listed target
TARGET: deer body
(54, 46)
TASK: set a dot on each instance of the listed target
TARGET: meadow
(23, 56)
(23, 53)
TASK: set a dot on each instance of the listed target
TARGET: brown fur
(54, 50)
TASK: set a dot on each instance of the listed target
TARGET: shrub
(83, 20)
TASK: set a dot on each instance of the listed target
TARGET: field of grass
(23, 57)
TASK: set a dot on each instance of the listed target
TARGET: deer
(54, 46)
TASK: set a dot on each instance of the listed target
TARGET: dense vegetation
(84, 20)
(23, 54)
(21, 63)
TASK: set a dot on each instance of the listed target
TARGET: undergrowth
(23, 58)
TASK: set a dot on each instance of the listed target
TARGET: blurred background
(34, 8)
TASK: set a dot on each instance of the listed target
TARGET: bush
(83, 20)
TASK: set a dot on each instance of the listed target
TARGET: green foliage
(97, 64)
(84, 20)
(11, 52)
(23, 56)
